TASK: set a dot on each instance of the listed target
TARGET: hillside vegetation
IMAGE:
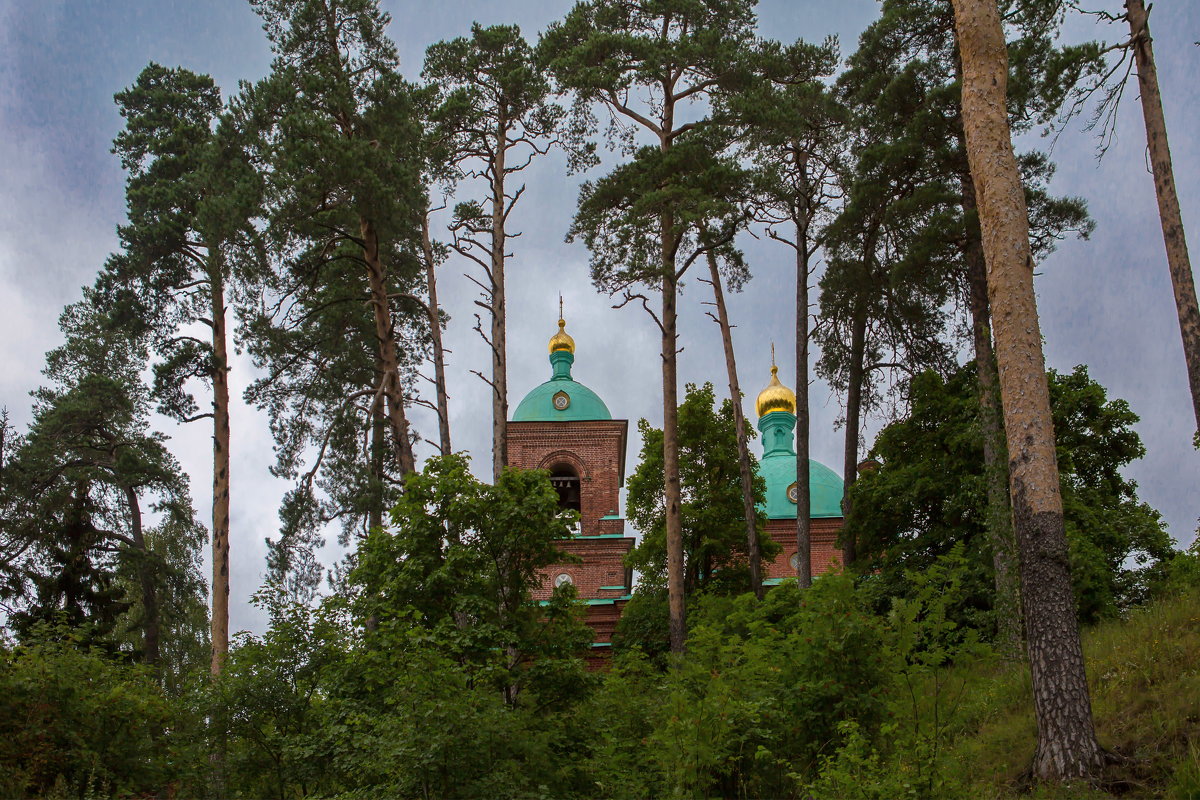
(1144, 675)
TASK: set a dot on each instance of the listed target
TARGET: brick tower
(564, 427)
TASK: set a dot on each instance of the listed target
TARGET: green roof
(581, 402)
(778, 469)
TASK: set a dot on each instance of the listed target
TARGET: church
(565, 428)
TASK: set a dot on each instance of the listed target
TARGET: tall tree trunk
(435, 332)
(1067, 746)
(220, 512)
(146, 577)
(499, 338)
(1169, 216)
(385, 334)
(378, 435)
(739, 423)
(999, 511)
(672, 500)
(671, 495)
(856, 373)
(803, 469)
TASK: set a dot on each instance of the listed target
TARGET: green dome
(778, 469)
(824, 486)
(580, 402)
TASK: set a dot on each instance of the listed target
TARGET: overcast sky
(1106, 302)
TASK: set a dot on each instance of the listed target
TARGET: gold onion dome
(562, 340)
(776, 397)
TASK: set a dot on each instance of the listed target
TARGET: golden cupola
(776, 397)
(562, 340)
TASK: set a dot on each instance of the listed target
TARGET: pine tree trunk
(378, 434)
(1067, 746)
(435, 332)
(803, 468)
(856, 374)
(739, 422)
(999, 511)
(1169, 216)
(499, 335)
(146, 577)
(220, 514)
(671, 495)
(385, 334)
(672, 500)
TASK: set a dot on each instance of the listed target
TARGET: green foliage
(714, 538)
(930, 493)
(77, 721)
(76, 500)
(460, 562)
(438, 677)
(757, 700)
(336, 133)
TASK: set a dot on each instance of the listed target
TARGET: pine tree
(910, 51)
(338, 136)
(1178, 261)
(643, 63)
(1067, 746)
(189, 197)
(501, 121)
(793, 133)
(76, 492)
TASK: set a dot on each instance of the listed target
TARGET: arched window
(566, 483)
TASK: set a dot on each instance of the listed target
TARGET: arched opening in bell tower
(565, 481)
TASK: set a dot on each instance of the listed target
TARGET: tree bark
(435, 332)
(1067, 746)
(739, 421)
(378, 435)
(671, 494)
(855, 375)
(220, 509)
(499, 338)
(999, 512)
(146, 577)
(1178, 261)
(803, 468)
(385, 334)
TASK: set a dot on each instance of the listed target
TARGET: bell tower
(565, 428)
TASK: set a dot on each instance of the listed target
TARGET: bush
(76, 721)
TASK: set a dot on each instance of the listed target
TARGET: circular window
(563, 580)
(561, 400)
(793, 494)
(795, 561)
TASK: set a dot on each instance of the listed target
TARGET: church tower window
(566, 483)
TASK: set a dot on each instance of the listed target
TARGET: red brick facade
(826, 555)
(594, 452)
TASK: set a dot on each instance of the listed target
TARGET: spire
(561, 340)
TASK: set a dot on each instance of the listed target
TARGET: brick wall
(603, 564)
(826, 554)
(594, 449)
